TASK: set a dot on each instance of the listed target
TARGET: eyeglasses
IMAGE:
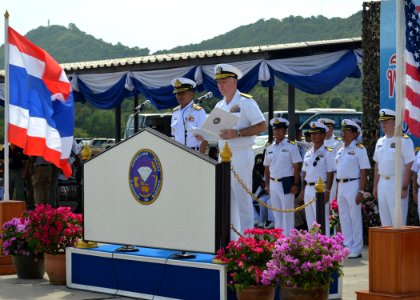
(316, 161)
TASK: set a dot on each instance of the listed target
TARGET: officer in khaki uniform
(282, 171)
(352, 165)
(384, 175)
(318, 162)
(187, 115)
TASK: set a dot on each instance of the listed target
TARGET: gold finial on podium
(82, 244)
(6, 14)
(226, 153)
(86, 152)
(320, 186)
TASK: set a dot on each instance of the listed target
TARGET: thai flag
(41, 109)
(412, 66)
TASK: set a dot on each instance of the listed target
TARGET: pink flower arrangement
(54, 229)
(17, 240)
(305, 259)
(247, 257)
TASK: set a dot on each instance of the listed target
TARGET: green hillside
(289, 30)
(73, 45)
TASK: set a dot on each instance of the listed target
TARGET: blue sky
(163, 24)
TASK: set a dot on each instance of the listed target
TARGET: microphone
(205, 96)
(141, 106)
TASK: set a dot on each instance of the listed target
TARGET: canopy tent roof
(313, 67)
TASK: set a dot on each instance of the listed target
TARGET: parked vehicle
(97, 145)
(336, 114)
(159, 121)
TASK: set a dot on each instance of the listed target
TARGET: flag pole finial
(6, 14)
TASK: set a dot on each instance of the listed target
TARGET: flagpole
(399, 103)
(6, 106)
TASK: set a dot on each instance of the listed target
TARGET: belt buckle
(341, 181)
(387, 177)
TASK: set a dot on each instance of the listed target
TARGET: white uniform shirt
(249, 114)
(384, 154)
(350, 160)
(191, 116)
(333, 142)
(416, 167)
(317, 163)
(281, 157)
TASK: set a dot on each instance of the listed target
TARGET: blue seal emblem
(145, 176)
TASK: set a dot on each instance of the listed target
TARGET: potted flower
(27, 254)
(55, 229)
(304, 262)
(246, 259)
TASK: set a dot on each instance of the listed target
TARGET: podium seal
(145, 176)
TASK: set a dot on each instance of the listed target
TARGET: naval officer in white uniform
(282, 163)
(384, 175)
(240, 140)
(352, 165)
(187, 115)
(318, 162)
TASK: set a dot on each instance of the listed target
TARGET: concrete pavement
(356, 277)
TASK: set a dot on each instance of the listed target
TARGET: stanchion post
(320, 204)
(226, 156)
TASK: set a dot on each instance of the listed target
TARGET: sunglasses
(316, 161)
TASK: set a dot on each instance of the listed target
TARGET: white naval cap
(278, 122)
(182, 84)
(224, 71)
(348, 124)
(326, 121)
(386, 114)
(318, 126)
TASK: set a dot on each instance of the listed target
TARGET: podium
(9, 210)
(394, 264)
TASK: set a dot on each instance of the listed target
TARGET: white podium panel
(150, 191)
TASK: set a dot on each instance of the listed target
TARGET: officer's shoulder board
(291, 142)
(329, 149)
(176, 108)
(246, 95)
(360, 145)
(196, 107)
(338, 138)
(405, 136)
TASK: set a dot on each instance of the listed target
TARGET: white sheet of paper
(217, 120)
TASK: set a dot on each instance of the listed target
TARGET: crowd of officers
(291, 168)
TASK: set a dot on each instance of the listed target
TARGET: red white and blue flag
(41, 109)
(412, 60)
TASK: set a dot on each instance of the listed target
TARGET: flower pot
(289, 293)
(55, 266)
(29, 267)
(256, 293)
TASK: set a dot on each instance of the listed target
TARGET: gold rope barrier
(291, 210)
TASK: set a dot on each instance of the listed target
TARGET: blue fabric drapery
(314, 74)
